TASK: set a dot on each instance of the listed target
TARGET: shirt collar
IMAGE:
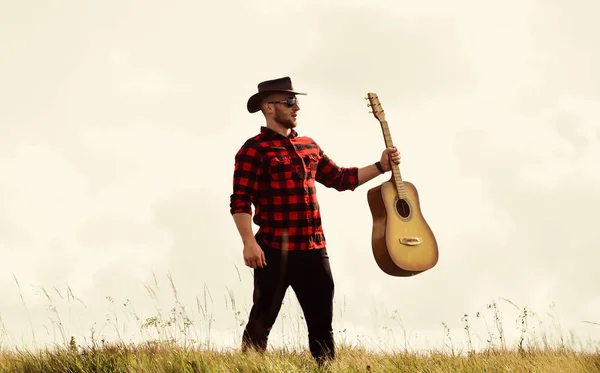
(270, 133)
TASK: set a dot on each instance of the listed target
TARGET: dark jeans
(309, 275)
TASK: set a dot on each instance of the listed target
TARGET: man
(276, 172)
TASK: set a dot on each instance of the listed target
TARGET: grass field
(173, 350)
(153, 357)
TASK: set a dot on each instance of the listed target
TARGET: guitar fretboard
(387, 137)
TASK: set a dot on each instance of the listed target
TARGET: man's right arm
(245, 191)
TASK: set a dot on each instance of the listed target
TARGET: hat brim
(253, 104)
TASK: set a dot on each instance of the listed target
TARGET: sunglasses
(290, 101)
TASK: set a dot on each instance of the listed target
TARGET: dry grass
(173, 350)
(164, 357)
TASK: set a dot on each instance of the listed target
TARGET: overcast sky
(119, 124)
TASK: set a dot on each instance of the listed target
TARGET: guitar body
(403, 243)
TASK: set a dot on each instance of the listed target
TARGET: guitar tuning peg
(368, 105)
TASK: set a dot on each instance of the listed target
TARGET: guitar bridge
(411, 241)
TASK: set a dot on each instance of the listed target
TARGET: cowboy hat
(264, 88)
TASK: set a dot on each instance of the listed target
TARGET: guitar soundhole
(403, 208)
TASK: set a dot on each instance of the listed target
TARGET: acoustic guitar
(403, 243)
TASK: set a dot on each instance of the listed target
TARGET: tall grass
(171, 342)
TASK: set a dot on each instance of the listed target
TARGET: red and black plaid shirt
(277, 175)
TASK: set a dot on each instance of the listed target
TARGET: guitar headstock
(375, 106)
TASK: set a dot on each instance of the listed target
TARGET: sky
(120, 121)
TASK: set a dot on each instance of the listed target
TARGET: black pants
(309, 275)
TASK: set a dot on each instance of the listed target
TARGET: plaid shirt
(277, 174)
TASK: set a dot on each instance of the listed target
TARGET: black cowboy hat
(264, 88)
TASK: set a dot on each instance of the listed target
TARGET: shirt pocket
(312, 163)
(281, 167)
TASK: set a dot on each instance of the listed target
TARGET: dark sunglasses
(290, 101)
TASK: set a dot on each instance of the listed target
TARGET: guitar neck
(387, 137)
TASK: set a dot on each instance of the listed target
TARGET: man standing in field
(276, 172)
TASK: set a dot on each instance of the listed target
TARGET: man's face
(284, 114)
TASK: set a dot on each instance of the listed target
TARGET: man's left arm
(349, 178)
(389, 155)
(367, 173)
(333, 176)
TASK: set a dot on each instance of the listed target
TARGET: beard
(285, 120)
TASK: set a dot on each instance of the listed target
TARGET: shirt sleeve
(246, 173)
(333, 176)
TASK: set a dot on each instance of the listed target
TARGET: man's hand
(389, 153)
(254, 256)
